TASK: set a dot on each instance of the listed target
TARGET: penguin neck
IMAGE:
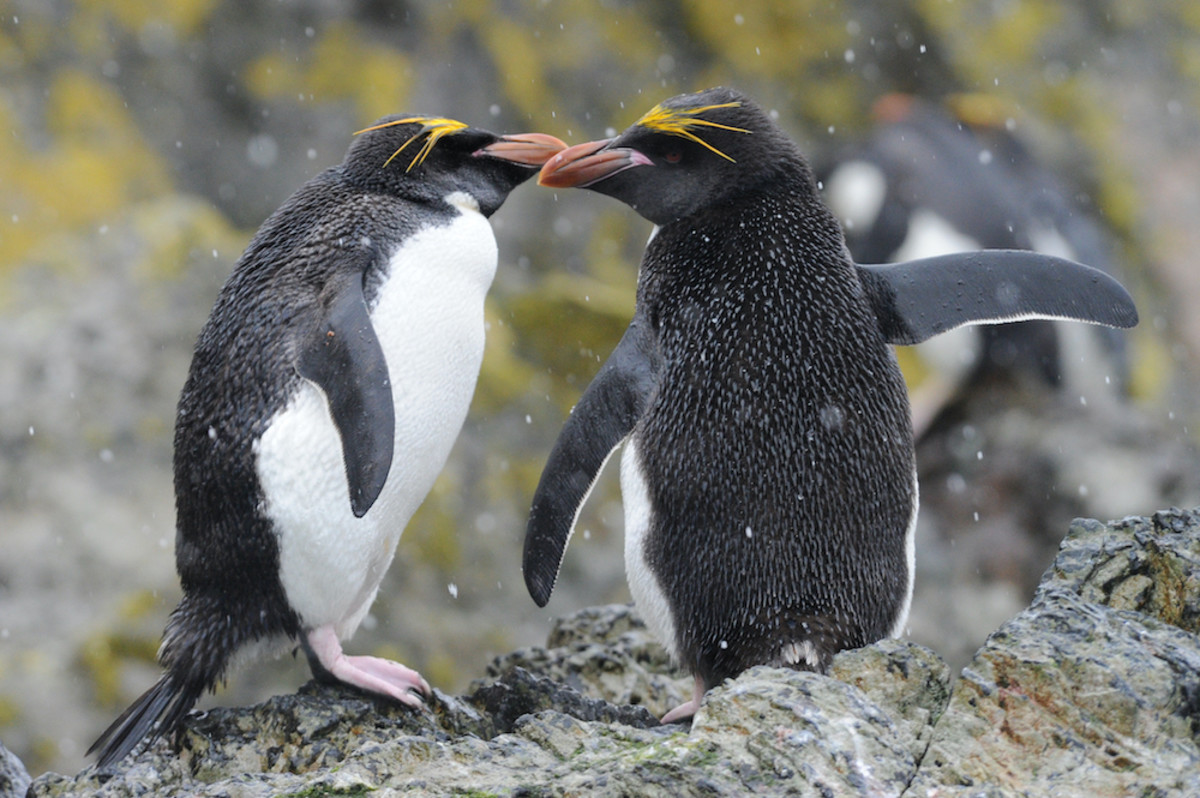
(786, 231)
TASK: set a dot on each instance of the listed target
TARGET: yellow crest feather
(433, 128)
(680, 121)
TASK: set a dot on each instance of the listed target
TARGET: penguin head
(429, 158)
(686, 154)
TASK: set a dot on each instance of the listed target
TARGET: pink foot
(369, 673)
(688, 709)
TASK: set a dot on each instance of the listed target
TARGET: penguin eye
(673, 156)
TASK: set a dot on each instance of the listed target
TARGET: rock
(1094, 690)
(909, 682)
(560, 720)
(14, 779)
(1146, 565)
(604, 651)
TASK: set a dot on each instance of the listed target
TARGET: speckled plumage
(319, 407)
(777, 439)
(769, 475)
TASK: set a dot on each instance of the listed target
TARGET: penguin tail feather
(159, 711)
(201, 636)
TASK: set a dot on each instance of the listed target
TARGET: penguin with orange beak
(768, 474)
(324, 395)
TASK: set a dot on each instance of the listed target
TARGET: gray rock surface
(14, 779)
(1093, 690)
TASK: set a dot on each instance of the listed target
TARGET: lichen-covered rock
(14, 779)
(909, 682)
(1093, 690)
(547, 721)
(1148, 565)
(605, 652)
(787, 731)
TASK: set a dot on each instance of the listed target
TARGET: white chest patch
(910, 556)
(429, 320)
(644, 585)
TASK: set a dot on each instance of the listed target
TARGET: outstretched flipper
(343, 356)
(606, 413)
(919, 299)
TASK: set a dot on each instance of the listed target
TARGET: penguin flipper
(604, 416)
(918, 299)
(343, 356)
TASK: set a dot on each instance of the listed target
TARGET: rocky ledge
(1093, 690)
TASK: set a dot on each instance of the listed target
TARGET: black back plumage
(305, 283)
(773, 436)
(756, 381)
(777, 442)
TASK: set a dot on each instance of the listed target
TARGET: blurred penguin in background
(930, 180)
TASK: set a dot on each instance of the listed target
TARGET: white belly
(644, 585)
(429, 321)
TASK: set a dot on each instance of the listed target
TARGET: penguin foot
(686, 710)
(373, 674)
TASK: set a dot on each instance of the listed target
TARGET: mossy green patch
(323, 791)
(97, 164)
(103, 654)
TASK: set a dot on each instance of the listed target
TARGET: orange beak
(530, 149)
(584, 164)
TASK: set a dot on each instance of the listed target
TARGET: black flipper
(607, 411)
(921, 298)
(344, 358)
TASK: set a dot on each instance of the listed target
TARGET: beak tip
(582, 165)
(529, 149)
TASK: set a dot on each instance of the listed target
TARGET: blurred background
(141, 144)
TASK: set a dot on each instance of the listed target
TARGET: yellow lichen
(10, 712)
(341, 65)
(505, 375)
(441, 668)
(98, 162)
(182, 17)
(432, 534)
(755, 43)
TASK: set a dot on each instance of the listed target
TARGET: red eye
(674, 156)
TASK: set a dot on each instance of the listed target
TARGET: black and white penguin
(932, 179)
(324, 395)
(768, 471)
